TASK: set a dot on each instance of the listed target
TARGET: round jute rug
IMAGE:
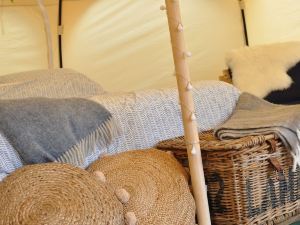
(157, 185)
(57, 194)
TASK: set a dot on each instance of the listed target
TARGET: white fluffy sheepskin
(262, 69)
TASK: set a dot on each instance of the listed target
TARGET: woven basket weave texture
(250, 180)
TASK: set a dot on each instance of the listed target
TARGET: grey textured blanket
(254, 116)
(63, 130)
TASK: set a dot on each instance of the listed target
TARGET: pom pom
(193, 151)
(187, 54)
(193, 117)
(163, 7)
(130, 218)
(189, 86)
(122, 195)
(100, 176)
(180, 27)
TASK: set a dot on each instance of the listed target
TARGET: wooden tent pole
(180, 55)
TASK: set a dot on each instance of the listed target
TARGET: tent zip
(60, 26)
(242, 6)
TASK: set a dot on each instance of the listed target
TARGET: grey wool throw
(62, 130)
(255, 116)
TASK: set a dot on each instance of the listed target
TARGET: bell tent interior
(84, 83)
(93, 31)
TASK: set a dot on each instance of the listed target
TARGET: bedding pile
(255, 116)
(56, 83)
(143, 117)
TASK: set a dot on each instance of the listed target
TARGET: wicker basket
(249, 180)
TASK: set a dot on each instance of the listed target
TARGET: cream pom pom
(122, 195)
(100, 176)
(130, 218)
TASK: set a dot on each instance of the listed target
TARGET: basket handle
(274, 161)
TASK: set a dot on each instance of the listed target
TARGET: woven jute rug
(57, 194)
(156, 182)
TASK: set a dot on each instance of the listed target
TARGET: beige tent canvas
(95, 31)
(99, 35)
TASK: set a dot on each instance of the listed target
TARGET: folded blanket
(64, 130)
(254, 116)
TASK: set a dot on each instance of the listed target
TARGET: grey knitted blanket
(254, 116)
(63, 130)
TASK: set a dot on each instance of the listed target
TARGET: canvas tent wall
(270, 21)
(23, 43)
(107, 39)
